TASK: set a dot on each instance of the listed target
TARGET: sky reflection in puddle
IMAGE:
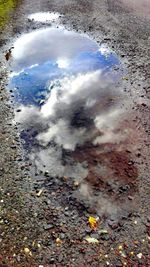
(63, 83)
(47, 55)
(66, 89)
(44, 16)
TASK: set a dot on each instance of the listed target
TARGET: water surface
(43, 57)
(69, 106)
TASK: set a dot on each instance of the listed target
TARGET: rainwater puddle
(43, 58)
(45, 17)
(68, 104)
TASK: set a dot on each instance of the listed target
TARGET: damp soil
(49, 190)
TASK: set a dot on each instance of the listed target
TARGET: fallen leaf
(92, 223)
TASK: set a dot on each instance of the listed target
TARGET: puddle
(69, 106)
(43, 57)
(44, 17)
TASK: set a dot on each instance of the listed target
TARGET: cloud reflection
(67, 91)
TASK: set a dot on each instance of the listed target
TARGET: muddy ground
(42, 221)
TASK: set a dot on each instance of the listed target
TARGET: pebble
(60, 258)
(118, 264)
(96, 236)
(139, 256)
(46, 173)
(27, 250)
(48, 226)
(148, 219)
(105, 237)
(130, 198)
(51, 260)
(62, 236)
(113, 224)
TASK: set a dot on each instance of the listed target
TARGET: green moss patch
(6, 6)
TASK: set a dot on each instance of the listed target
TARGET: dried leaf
(93, 223)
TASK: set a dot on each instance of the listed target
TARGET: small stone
(46, 173)
(62, 235)
(76, 183)
(130, 197)
(48, 202)
(40, 192)
(58, 241)
(95, 236)
(139, 255)
(60, 258)
(113, 224)
(51, 260)
(118, 264)
(27, 250)
(148, 219)
(48, 226)
(13, 147)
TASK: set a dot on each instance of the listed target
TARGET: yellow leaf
(92, 223)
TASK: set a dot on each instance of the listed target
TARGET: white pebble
(139, 255)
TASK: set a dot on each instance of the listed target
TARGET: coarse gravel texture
(50, 229)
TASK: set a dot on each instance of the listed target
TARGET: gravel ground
(42, 221)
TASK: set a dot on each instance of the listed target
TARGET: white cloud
(52, 44)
